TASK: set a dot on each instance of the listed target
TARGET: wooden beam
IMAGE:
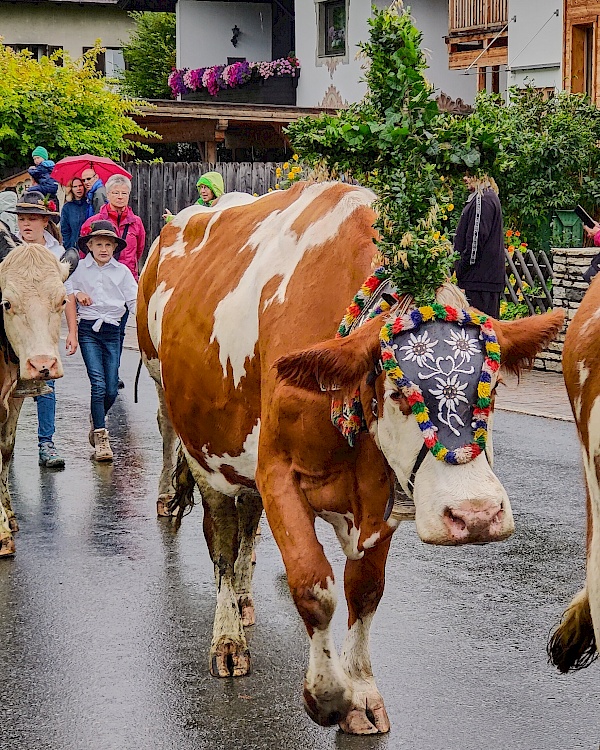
(481, 79)
(495, 79)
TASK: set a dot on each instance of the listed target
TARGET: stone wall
(567, 291)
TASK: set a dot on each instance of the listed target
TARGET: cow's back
(228, 290)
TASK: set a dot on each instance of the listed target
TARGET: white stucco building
(324, 34)
(72, 25)
(535, 44)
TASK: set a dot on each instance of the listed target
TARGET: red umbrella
(72, 166)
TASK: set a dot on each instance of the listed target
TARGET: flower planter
(275, 90)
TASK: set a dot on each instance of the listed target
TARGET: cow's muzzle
(477, 523)
(43, 368)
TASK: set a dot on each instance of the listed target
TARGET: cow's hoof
(7, 547)
(162, 506)
(247, 614)
(366, 720)
(325, 712)
(229, 659)
(13, 524)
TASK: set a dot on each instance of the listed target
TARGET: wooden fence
(172, 185)
(529, 280)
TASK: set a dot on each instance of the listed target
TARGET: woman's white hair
(118, 179)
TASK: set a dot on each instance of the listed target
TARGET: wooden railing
(474, 15)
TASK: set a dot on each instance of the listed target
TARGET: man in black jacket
(479, 240)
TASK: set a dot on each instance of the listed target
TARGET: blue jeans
(46, 411)
(101, 351)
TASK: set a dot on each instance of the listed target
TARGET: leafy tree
(150, 55)
(67, 108)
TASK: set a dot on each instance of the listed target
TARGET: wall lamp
(236, 35)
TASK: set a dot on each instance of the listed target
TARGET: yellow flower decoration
(442, 178)
(277, 186)
(436, 235)
(278, 172)
(295, 157)
(286, 165)
(450, 207)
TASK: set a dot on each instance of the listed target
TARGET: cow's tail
(573, 644)
(184, 484)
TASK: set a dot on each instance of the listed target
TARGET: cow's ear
(522, 340)
(69, 262)
(336, 363)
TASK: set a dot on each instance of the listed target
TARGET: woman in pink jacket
(128, 226)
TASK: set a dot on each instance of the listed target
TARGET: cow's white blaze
(156, 309)
(277, 252)
(31, 279)
(437, 485)
(244, 464)
(591, 474)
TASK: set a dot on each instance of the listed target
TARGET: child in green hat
(210, 186)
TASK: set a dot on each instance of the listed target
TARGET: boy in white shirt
(103, 289)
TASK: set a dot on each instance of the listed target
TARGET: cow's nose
(475, 522)
(42, 368)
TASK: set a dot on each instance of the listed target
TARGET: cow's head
(33, 300)
(457, 496)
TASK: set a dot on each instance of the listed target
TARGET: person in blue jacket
(74, 213)
(40, 173)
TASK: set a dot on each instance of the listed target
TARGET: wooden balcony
(472, 27)
(476, 16)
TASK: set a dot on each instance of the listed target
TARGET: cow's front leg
(166, 490)
(229, 653)
(363, 582)
(249, 508)
(8, 433)
(327, 689)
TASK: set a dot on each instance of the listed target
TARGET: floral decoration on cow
(439, 375)
(217, 77)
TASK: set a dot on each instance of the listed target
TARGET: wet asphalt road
(105, 614)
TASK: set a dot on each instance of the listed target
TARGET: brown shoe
(102, 446)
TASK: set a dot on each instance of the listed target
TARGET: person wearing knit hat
(210, 186)
(41, 175)
(39, 155)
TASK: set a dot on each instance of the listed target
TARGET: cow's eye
(64, 302)
(6, 304)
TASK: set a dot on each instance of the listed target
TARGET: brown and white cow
(574, 643)
(32, 302)
(227, 293)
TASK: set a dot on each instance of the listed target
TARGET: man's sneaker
(50, 457)
(121, 384)
(102, 446)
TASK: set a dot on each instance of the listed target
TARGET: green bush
(67, 108)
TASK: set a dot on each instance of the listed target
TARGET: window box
(275, 90)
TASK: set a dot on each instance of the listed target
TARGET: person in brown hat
(34, 225)
(104, 290)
